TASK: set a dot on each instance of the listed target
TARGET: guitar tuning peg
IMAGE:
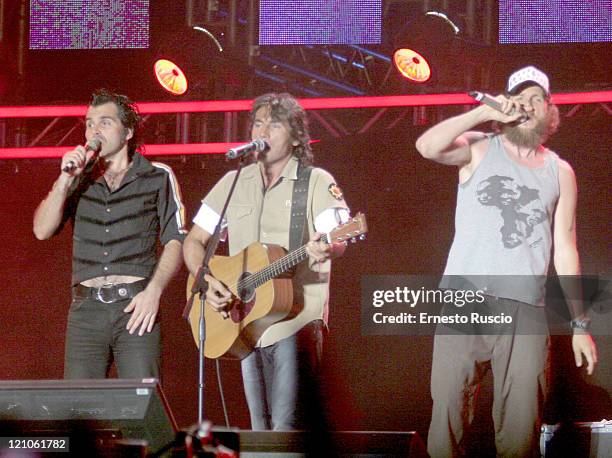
(353, 240)
(362, 237)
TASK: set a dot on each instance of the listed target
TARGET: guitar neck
(282, 265)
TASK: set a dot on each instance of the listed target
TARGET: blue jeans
(96, 336)
(281, 381)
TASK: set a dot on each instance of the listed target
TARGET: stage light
(412, 65)
(425, 47)
(210, 35)
(186, 61)
(170, 76)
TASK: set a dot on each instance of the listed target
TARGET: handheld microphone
(490, 101)
(256, 146)
(92, 145)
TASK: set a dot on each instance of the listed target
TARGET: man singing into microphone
(280, 191)
(516, 198)
(119, 204)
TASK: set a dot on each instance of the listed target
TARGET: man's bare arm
(450, 141)
(48, 215)
(168, 265)
(194, 248)
(567, 263)
(145, 305)
(218, 296)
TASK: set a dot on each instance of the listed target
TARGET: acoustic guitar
(263, 292)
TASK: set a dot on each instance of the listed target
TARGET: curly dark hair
(285, 108)
(128, 113)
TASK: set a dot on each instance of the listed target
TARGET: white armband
(331, 218)
(207, 219)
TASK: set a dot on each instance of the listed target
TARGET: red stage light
(170, 76)
(244, 105)
(412, 65)
(149, 150)
(48, 111)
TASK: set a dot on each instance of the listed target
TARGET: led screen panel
(319, 22)
(89, 24)
(555, 21)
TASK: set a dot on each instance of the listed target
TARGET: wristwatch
(581, 323)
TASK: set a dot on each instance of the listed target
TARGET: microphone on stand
(94, 144)
(256, 146)
(490, 101)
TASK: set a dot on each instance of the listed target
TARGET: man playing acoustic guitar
(279, 372)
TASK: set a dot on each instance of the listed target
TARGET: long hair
(284, 108)
(127, 111)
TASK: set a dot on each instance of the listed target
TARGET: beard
(529, 138)
(535, 136)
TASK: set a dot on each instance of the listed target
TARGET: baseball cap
(528, 74)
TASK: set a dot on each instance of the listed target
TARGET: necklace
(113, 180)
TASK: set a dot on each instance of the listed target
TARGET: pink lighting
(309, 104)
(149, 150)
(245, 105)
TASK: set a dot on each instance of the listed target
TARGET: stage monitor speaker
(110, 409)
(578, 440)
(296, 444)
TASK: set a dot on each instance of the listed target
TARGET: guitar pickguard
(245, 302)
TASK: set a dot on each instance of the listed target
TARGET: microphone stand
(200, 286)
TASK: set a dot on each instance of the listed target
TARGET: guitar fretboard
(277, 268)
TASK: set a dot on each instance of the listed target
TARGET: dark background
(370, 383)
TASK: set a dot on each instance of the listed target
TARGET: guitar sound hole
(245, 302)
(245, 292)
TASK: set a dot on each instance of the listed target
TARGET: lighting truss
(314, 105)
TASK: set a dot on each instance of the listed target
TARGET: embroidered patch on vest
(335, 191)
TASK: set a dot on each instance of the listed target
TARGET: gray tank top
(503, 220)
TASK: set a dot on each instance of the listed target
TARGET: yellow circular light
(170, 77)
(412, 65)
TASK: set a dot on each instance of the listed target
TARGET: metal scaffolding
(173, 129)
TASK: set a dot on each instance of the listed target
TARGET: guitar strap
(298, 207)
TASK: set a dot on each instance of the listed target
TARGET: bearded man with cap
(516, 199)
